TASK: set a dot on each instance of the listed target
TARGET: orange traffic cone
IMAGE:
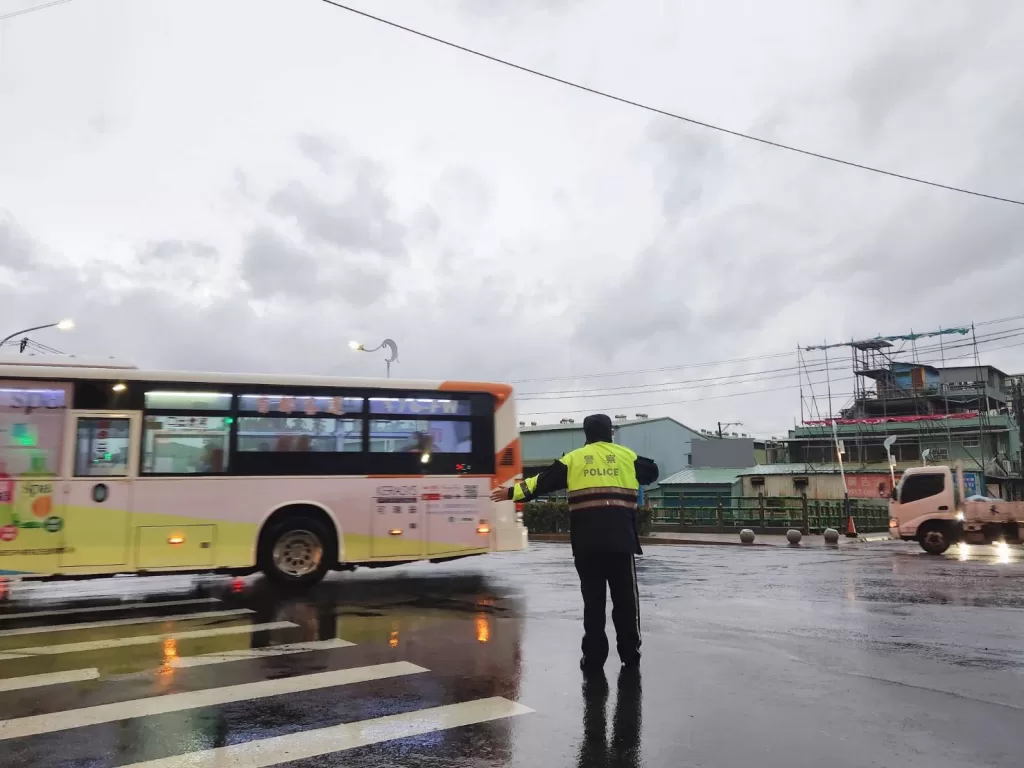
(851, 528)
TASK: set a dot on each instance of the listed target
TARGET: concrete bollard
(794, 536)
(831, 536)
(747, 536)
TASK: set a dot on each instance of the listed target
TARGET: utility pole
(727, 425)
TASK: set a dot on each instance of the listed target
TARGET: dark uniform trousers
(617, 571)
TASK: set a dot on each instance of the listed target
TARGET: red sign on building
(868, 486)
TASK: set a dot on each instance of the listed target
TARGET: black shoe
(631, 663)
(591, 667)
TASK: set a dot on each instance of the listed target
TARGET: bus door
(101, 460)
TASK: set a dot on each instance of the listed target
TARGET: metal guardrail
(763, 513)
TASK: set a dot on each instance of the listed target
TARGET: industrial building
(664, 440)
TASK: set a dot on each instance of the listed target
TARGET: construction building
(936, 414)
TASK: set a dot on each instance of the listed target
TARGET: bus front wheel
(295, 553)
(936, 537)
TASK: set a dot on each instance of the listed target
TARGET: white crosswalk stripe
(99, 645)
(258, 653)
(48, 678)
(107, 608)
(175, 702)
(255, 753)
(123, 622)
(263, 753)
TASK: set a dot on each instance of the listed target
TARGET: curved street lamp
(63, 325)
(389, 343)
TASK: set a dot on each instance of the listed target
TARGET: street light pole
(63, 325)
(389, 343)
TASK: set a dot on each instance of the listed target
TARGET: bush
(546, 517)
(553, 517)
(645, 520)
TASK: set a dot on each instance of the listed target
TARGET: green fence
(769, 513)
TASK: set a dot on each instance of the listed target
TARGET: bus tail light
(395, 532)
(176, 539)
(519, 512)
(483, 527)
(894, 523)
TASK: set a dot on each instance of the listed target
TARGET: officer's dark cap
(598, 428)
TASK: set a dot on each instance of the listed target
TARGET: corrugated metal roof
(615, 424)
(791, 469)
(703, 476)
(809, 469)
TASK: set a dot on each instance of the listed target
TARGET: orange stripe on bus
(504, 470)
(421, 477)
(501, 392)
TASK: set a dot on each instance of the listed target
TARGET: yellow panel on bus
(175, 547)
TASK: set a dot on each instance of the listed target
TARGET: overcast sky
(249, 184)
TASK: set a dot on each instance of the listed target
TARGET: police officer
(603, 480)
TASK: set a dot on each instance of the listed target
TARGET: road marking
(107, 608)
(118, 642)
(210, 697)
(263, 753)
(124, 622)
(49, 678)
(258, 653)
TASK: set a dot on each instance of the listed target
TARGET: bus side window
(101, 447)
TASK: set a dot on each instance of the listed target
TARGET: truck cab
(928, 507)
(924, 508)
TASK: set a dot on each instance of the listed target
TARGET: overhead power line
(712, 363)
(666, 113)
(622, 407)
(926, 354)
(33, 9)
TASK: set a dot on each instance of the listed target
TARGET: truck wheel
(295, 553)
(935, 538)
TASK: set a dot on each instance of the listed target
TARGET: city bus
(108, 469)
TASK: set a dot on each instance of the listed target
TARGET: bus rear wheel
(936, 537)
(295, 553)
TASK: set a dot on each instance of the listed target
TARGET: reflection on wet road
(867, 655)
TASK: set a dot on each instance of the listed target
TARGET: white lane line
(210, 697)
(124, 622)
(49, 678)
(119, 642)
(107, 608)
(258, 653)
(263, 753)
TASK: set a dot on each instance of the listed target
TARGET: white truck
(928, 507)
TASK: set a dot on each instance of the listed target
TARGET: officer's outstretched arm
(646, 471)
(550, 479)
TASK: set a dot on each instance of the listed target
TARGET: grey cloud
(242, 185)
(319, 151)
(643, 311)
(488, 8)
(463, 193)
(920, 63)
(162, 251)
(275, 267)
(364, 221)
(17, 251)
(687, 160)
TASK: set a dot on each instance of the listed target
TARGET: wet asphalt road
(872, 655)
